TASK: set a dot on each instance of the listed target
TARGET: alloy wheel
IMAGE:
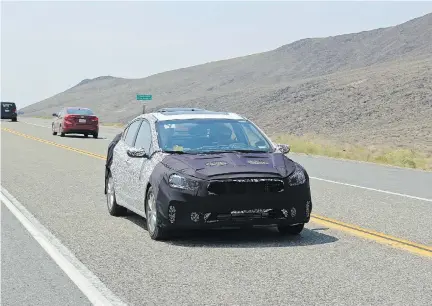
(110, 193)
(151, 212)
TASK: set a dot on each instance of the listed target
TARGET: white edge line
(86, 281)
(373, 189)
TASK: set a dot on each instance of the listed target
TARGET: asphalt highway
(369, 242)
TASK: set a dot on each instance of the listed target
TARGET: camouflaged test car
(193, 168)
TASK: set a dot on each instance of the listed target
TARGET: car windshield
(79, 111)
(211, 136)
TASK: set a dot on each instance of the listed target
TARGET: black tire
(290, 229)
(86, 135)
(159, 233)
(14, 119)
(113, 208)
(95, 135)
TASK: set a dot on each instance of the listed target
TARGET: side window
(144, 138)
(131, 132)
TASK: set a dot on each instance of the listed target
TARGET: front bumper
(178, 209)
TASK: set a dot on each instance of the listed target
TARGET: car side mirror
(134, 152)
(55, 115)
(283, 148)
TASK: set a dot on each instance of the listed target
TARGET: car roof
(180, 109)
(192, 113)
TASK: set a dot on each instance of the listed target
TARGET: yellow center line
(382, 238)
(56, 144)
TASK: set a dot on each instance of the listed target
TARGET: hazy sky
(47, 47)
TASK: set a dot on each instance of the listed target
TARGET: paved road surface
(328, 264)
(29, 275)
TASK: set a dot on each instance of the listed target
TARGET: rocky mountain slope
(372, 87)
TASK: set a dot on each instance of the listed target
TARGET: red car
(75, 120)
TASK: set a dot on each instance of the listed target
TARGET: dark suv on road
(9, 111)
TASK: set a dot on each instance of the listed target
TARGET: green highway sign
(144, 97)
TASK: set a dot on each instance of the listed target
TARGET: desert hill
(372, 87)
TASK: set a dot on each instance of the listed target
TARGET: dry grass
(402, 157)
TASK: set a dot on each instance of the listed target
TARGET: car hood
(231, 164)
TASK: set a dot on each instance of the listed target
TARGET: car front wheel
(290, 229)
(152, 217)
(113, 208)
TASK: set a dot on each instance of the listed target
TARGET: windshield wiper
(248, 151)
(174, 152)
(234, 151)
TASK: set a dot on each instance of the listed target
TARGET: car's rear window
(79, 111)
(8, 105)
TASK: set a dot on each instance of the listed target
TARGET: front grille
(242, 186)
(246, 215)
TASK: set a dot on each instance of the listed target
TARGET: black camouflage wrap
(186, 209)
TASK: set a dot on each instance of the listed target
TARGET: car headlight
(180, 182)
(298, 177)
